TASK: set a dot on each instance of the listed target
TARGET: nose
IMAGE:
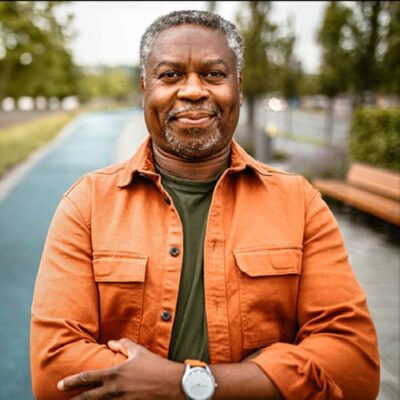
(192, 89)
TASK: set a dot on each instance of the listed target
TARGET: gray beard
(196, 147)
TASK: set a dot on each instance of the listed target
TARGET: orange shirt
(276, 277)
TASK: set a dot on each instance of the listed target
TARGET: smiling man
(192, 270)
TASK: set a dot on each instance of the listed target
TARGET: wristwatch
(198, 382)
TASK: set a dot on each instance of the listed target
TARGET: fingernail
(60, 385)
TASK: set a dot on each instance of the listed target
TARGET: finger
(130, 346)
(124, 346)
(116, 346)
(84, 379)
(94, 394)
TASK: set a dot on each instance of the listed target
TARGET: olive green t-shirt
(192, 200)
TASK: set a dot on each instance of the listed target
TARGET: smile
(194, 119)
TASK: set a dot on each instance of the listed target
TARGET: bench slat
(376, 180)
(385, 208)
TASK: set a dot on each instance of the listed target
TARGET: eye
(214, 75)
(170, 75)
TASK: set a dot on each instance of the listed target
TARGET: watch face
(198, 384)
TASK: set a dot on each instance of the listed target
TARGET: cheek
(157, 104)
(230, 102)
(229, 96)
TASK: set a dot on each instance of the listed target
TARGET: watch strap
(195, 363)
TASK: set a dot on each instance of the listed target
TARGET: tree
(212, 6)
(289, 71)
(289, 67)
(114, 83)
(334, 39)
(336, 66)
(367, 29)
(33, 44)
(258, 34)
(309, 85)
(391, 58)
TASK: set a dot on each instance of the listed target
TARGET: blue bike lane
(25, 214)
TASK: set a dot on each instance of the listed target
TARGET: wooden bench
(373, 190)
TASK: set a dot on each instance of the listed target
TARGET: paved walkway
(25, 212)
(375, 256)
(99, 139)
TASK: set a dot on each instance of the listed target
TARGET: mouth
(194, 119)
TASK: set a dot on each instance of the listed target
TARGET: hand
(144, 375)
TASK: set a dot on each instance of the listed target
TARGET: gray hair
(194, 17)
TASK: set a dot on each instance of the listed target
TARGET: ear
(240, 82)
(142, 89)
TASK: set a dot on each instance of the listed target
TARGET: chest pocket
(268, 287)
(120, 278)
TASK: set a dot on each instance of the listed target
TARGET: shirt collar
(142, 163)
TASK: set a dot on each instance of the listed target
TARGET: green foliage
(269, 63)
(34, 58)
(108, 83)
(375, 138)
(289, 72)
(309, 85)
(336, 61)
(360, 48)
(18, 142)
(258, 34)
(391, 60)
(367, 27)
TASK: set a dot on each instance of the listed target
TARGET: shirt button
(174, 251)
(166, 315)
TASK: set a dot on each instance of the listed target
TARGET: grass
(17, 142)
(303, 138)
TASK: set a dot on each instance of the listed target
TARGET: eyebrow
(208, 63)
(168, 64)
(211, 63)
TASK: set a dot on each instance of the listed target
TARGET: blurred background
(321, 87)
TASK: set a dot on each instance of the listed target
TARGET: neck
(201, 170)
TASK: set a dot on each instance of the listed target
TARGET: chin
(195, 144)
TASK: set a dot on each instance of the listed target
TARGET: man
(192, 269)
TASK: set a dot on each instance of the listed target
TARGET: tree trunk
(368, 62)
(329, 121)
(251, 123)
(5, 77)
(289, 120)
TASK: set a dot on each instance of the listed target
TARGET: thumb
(124, 346)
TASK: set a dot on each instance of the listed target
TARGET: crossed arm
(147, 375)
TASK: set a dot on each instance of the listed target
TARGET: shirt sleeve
(335, 354)
(65, 308)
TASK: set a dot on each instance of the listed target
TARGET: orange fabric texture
(276, 278)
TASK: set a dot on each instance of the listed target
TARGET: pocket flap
(120, 268)
(264, 262)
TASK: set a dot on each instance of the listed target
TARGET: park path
(98, 139)
(92, 141)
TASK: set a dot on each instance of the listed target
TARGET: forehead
(190, 41)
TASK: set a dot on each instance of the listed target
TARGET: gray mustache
(173, 113)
